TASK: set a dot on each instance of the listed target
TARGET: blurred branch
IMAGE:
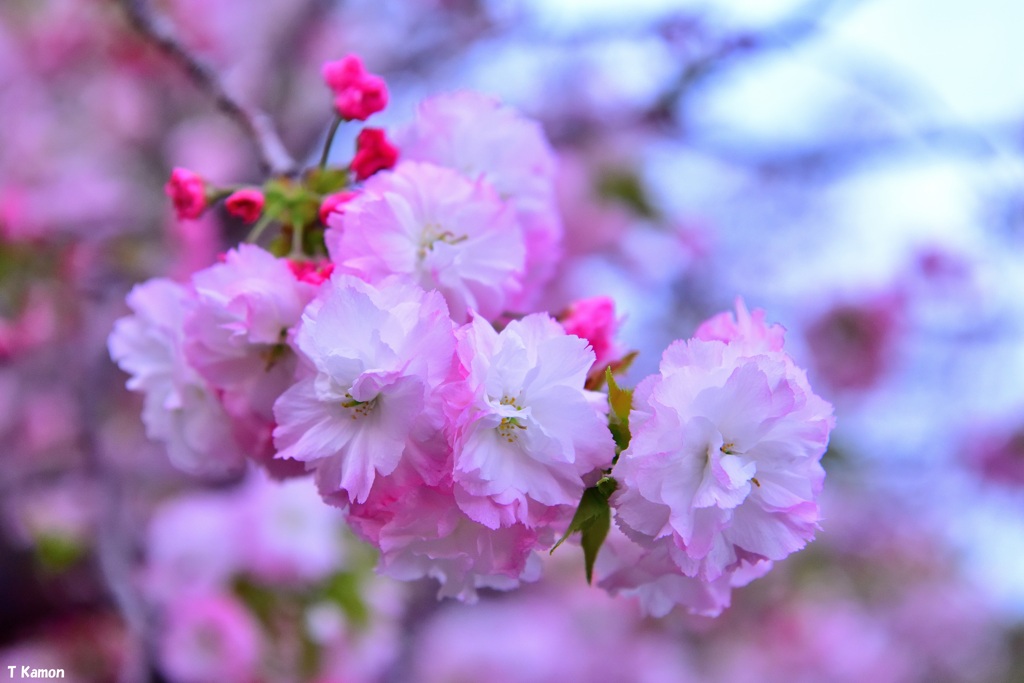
(115, 546)
(275, 158)
(803, 24)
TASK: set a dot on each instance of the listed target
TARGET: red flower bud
(357, 94)
(187, 191)
(333, 202)
(246, 204)
(373, 153)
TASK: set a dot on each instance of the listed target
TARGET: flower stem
(258, 229)
(297, 251)
(329, 141)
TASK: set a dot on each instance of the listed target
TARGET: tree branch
(274, 157)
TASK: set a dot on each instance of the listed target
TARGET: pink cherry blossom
(649, 574)
(724, 456)
(525, 432)
(374, 360)
(187, 191)
(436, 229)
(181, 409)
(237, 333)
(745, 329)
(421, 532)
(478, 136)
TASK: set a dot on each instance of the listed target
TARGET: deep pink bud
(594, 320)
(332, 202)
(344, 73)
(313, 272)
(246, 204)
(187, 191)
(357, 93)
(358, 101)
(373, 153)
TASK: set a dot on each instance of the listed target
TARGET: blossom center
(432, 234)
(358, 409)
(510, 424)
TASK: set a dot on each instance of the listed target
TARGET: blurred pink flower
(483, 139)
(181, 409)
(193, 545)
(853, 344)
(290, 534)
(210, 638)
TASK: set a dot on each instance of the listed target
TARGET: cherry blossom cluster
(387, 340)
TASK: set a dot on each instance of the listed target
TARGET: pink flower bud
(313, 272)
(357, 93)
(246, 204)
(187, 191)
(373, 153)
(357, 102)
(333, 202)
(344, 73)
(594, 320)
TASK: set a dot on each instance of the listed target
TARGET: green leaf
(593, 519)
(593, 536)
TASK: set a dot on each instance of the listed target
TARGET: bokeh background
(856, 168)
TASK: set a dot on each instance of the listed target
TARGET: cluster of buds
(301, 205)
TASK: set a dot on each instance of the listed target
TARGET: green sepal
(596, 381)
(326, 180)
(621, 402)
(593, 520)
(289, 203)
